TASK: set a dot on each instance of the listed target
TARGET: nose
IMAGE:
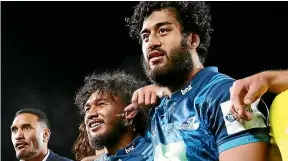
(19, 135)
(153, 42)
(93, 112)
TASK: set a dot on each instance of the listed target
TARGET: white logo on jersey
(129, 149)
(186, 89)
(233, 126)
(192, 123)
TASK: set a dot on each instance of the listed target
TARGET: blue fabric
(190, 125)
(55, 157)
(140, 149)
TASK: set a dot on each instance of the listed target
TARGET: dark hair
(81, 147)
(194, 16)
(118, 84)
(42, 117)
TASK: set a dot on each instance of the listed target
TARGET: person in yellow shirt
(279, 123)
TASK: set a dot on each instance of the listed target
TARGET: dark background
(48, 47)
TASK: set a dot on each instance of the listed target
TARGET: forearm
(257, 151)
(277, 80)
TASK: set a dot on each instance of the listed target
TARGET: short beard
(175, 72)
(26, 155)
(110, 137)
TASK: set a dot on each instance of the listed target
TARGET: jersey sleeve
(227, 131)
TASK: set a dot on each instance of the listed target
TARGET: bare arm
(249, 152)
(247, 90)
(277, 80)
(146, 97)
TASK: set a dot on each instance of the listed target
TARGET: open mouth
(95, 124)
(20, 145)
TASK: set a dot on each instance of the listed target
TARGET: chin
(99, 132)
(22, 155)
(159, 63)
(159, 68)
(156, 67)
(96, 134)
(21, 152)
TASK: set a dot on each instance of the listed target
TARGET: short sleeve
(227, 131)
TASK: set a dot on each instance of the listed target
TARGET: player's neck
(123, 142)
(197, 66)
(193, 73)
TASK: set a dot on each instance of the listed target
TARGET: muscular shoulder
(213, 87)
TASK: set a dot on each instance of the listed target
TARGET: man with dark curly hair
(102, 100)
(194, 122)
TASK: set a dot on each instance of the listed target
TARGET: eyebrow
(14, 127)
(159, 24)
(95, 101)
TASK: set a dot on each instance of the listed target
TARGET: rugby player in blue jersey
(194, 123)
(101, 99)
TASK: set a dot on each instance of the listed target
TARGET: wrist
(161, 92)
(270, 77)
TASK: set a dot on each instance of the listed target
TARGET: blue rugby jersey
(195, 123)
(140, 149)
